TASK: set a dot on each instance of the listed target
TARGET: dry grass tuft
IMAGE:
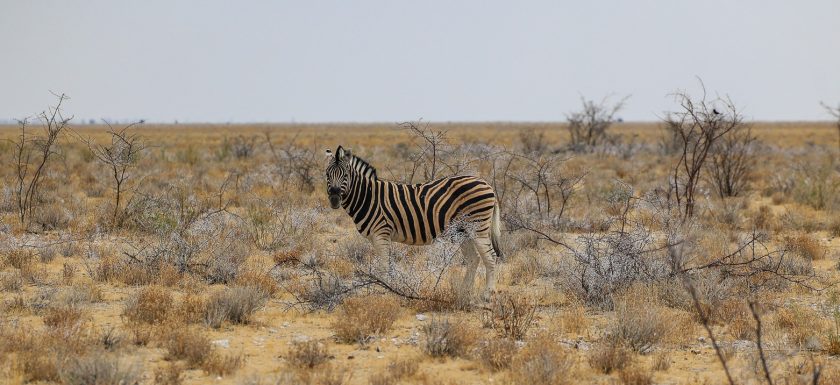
(169, 374)
(20, 259)
(661, 361)
(497, 353)
(64, 317)
(445, 338)
(308, 354)
(359, 318)
(220, 364)
(187, 344)
(542, 362)
(99, 370)
(609, 355)
(512, 314)
(397, 372)
(806, 246)
(150, 305)
(635, 375)
(234, 304)
(639, 324)
(11, 281)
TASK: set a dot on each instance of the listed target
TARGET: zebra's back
(418, 214)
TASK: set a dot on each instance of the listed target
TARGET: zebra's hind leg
(488, 256)
(470, 255)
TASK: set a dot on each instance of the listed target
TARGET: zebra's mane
(363, 167)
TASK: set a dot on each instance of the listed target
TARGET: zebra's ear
(328, 153)
(342, 153)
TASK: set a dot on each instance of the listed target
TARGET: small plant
(308, 354)
(359, 318)
(187, 344)
(396, 372)
(149, 305)
(63, 318)
(610, 355)
(170, 374)
(833, 347)
(635, 375)
(588, 127)
(235, 304)
(99, 370)
(542, 362)
(639, 325)
(446, 338)
(497, 353)
(806, 246)
(512, 314)
(220, 364)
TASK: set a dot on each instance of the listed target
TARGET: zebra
(417, 214)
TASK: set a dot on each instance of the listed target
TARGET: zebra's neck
(360, 201)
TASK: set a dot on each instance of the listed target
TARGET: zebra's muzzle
(335, 201)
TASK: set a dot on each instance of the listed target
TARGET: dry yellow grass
(222, 244)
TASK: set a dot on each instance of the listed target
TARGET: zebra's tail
(496, 233)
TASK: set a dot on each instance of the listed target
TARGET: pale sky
(391, 61)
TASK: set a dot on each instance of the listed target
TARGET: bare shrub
(120, 157)
(235, 304)
(533, 141)
(31, 156)
(447, 338)
(588, 127)
(512, 314)
(542, 362)
(359, 318)
(732, 160)
(536, 190)
(150, 305)
(213, 246)
(280, 223)
(308, 354)
(299, 164)
(698, 126)
(430, 145)
(243, 148)
(99, 370)
(835, 113)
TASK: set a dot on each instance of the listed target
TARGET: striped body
(417, 214)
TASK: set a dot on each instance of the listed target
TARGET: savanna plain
(644, 253)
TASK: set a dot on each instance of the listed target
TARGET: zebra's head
(338, 170)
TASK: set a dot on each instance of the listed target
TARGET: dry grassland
(224, 264)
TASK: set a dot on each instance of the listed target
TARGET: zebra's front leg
(381, 246)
